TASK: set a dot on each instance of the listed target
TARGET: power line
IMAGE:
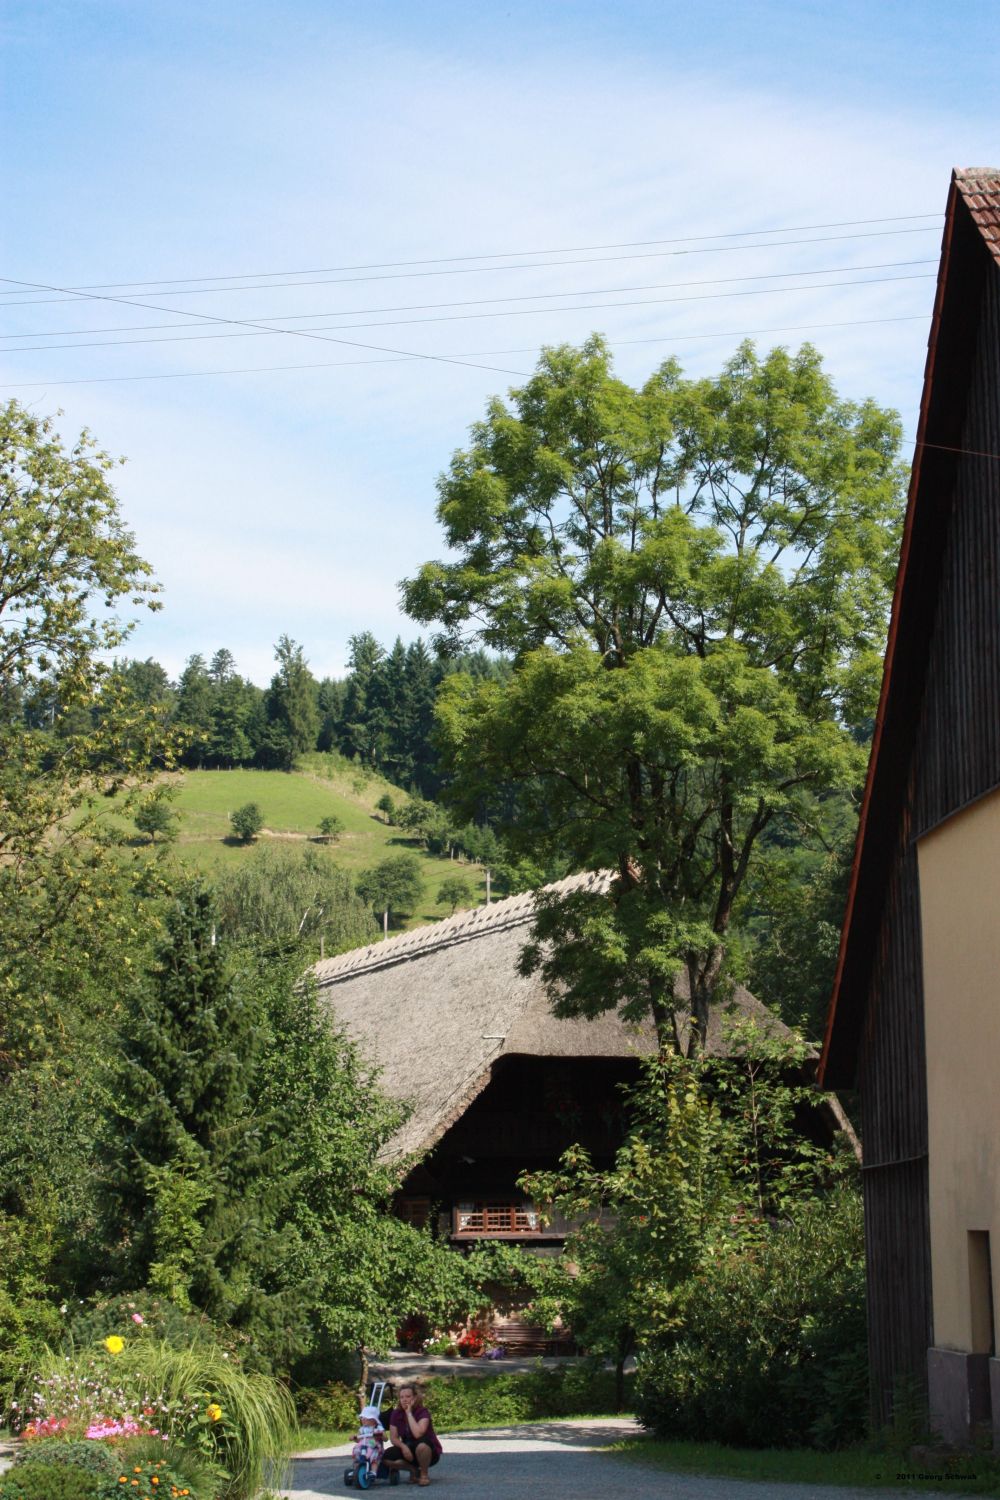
(484, 353)
(296, 332)
(430, 306)
(71, 295)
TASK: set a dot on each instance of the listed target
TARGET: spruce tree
(193, 1192)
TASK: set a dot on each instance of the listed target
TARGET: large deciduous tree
(693, 578)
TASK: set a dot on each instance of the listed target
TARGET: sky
(398, 179)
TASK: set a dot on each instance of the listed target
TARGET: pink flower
(138, 1318)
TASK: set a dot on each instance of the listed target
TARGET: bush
(95, 1458)
(773, 1348)
(247, 821)
(333, 1406)
(33, 1481)
(584, 1389)
(159, 1319)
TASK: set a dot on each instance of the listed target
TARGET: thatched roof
(435, 1008)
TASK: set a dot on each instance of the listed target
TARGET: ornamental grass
(198, 1399)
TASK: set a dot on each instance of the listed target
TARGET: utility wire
(473, 354)
(71, 295)
(114, 286)
(516, 312)
(300, 333)
(600, 291)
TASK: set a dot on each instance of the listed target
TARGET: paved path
(556, 1461)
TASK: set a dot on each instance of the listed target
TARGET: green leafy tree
(393, 887)
(331, 827)
(715, 1155)
(453, 892)
(280, 896)
(386, 805)
(694, 581)
(155, 816)
(247, 821)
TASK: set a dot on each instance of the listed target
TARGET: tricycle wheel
(348, 1477)
(365, 1477)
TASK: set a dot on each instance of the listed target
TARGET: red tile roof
(980, 187)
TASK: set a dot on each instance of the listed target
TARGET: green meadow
(293, 804)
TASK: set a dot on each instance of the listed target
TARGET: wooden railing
(496, 1217)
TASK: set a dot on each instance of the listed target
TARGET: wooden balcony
(496, 1219)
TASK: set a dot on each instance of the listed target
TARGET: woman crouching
(415, 1444)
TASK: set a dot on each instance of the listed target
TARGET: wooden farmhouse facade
(496, 1083)
(915, 1017)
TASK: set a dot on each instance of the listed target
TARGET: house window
(415, 1211)
(495, 1216)
(981, 1292)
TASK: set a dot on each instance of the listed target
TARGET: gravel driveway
(556, 1461)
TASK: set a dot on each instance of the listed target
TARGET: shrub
(156, 1316)
(33, 1481)
(333, 1405)
(247, 821)
(772, 1351)
(95, 1458)
(584, 1389)
(331, 827)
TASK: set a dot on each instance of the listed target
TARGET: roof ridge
(512, 911)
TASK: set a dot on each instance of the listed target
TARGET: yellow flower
(114, 1344)
(213, 1412)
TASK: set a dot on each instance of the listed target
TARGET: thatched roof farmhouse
(496, 1083)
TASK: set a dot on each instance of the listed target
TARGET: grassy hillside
(293, 803)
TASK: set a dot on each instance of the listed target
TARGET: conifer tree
(193, 1193)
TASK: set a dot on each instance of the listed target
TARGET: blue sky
(146, 140)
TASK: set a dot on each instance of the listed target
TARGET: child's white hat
(371, 1414)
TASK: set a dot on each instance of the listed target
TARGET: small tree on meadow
(331, 827)
(393, 887)
(454, 892)
(155, 817)
(247, 821)
(386, 805)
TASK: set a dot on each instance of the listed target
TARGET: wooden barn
(497, 1084)
(914, 1017)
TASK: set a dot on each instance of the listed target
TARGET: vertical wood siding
(955, 759)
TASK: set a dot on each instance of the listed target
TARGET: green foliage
(392, 887)
(37, 1481)
(773, 1348)
(90, 1323)
(154, 815)
(456, 1401)
(331, 827)
(694, 579)
(94, 1458)
(247, 821)
(715, 1153)
(191, 1190)
(455, 892)
(254, 1431)
(386, 805)
(179, 1471)
(287, 895)
(292, 707)
(332, 1406)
